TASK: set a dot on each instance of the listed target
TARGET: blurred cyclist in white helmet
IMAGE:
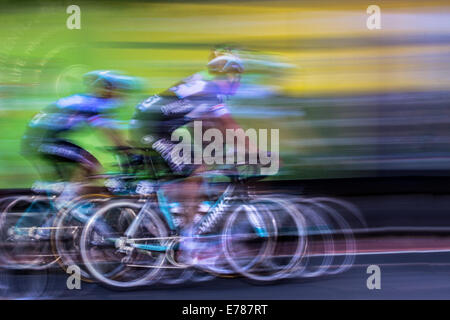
(200, 97)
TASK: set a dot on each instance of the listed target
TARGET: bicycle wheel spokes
(248, 239)
(291, 240)
(67, 229)
(25, 233)
(345, 244)
(119, 261)
(321, 247)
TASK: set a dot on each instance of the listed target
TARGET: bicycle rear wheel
(25, 233)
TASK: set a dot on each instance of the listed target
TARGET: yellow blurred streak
(307, 33)
(365, 66)
(368, 69)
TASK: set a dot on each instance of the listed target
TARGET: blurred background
(348, 101)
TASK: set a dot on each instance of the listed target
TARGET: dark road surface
(403, 276)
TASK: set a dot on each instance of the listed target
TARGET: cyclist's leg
(85, 163)
(46, 166)
(73, 165)
(192, 195)
(188, 190)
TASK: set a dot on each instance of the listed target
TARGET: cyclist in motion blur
(202, 97)
(45, 142)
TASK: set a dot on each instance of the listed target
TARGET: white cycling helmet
(225, 63)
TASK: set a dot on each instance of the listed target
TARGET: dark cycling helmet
(224, 61)
(111, 80)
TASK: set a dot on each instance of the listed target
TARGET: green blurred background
(347, 105)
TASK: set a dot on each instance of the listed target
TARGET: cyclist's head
(109, 84)
(226, 67)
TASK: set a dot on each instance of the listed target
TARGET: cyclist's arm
(109, 128)
(219, 117)
(226, 121)
(114, 136)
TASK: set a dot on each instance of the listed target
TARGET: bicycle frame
(207, 221)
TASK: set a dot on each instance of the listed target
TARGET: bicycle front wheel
(249, 238)
(120, 261)
(67, 229)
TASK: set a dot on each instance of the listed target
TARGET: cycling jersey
(43, 137)
(68, 114)
(194, 98)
